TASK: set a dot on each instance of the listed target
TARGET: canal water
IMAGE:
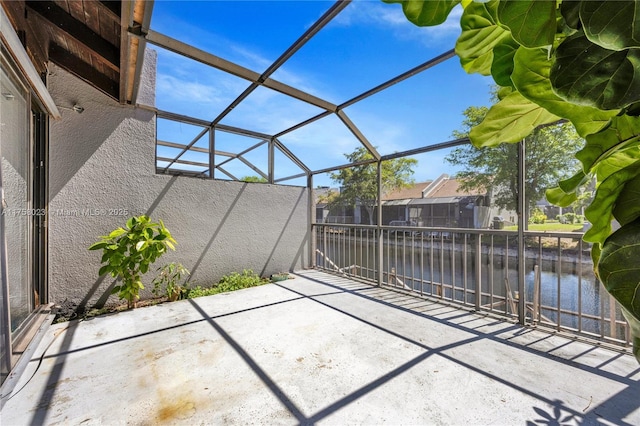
(567, 284)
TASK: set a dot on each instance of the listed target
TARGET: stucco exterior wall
(102, 171)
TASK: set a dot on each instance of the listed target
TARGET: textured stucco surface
(102, 172)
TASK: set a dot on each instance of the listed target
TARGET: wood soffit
(84, 37)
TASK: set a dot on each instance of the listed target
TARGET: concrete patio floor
(318, 349)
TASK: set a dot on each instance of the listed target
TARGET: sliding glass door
(22, 144)
(15, 169)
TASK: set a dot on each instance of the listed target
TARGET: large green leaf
(502, 65)
(532, 22)
(627, 207)
(600, 211)
(510, 120)
(614, 163)
(607, 23)
(426, 13)
(570, 10)
(619, 270)
(565, 193)
(480, 34)
(574, 182)
(618, 135)
(559, 197)
(587, 74)
(530, 76)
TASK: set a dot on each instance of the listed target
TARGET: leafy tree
(329, 197)
(578, 60)
(359, 184)
(548, 158)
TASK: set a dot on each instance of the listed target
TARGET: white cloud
(187, 87)
(190, 91)
(392, 18)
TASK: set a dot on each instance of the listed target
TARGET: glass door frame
(16, 341)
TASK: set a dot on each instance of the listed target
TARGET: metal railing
(479, 268)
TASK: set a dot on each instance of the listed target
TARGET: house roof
(443, 187)
(450, 187)
(411, 192)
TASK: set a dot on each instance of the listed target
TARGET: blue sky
(367, 44)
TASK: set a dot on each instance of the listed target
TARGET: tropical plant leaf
(607, 23)
(627, 207)
(618, 135)
(570, 11)
(560, 198)
(614, 163)
(531, 68)
(480, 34)
(426, 13)
(532, 22)
(510, 120)
(502, 64)
(619, 270)
(634, 326)
(574, 182)
(600, 211)
(587, 74)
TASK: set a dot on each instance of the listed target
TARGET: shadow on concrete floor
(318, 349)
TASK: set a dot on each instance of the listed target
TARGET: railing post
(478, 271)
(325, 247)
(522, 217)
(380, 257)
(312, 219)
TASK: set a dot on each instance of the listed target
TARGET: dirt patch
(70, 310)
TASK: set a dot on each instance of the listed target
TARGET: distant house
(438, 203)
(333, 214)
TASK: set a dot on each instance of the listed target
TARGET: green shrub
(169, 277)
(231, 282)
(127, 253)
(236, 281)
(537, 216)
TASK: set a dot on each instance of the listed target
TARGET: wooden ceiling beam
(113, 7)
(76, 29)
(83, 70)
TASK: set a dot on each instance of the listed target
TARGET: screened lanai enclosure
(274, 127)
(228, 121)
